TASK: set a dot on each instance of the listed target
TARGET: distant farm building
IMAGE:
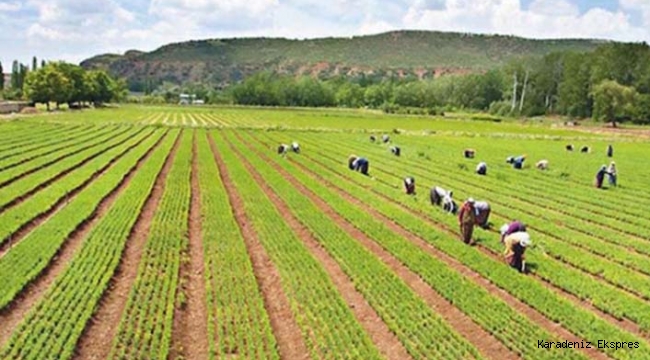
(190, 99)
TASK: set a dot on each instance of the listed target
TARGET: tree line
(610, 84)
(62, 83)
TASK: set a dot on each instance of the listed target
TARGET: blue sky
(76, 29)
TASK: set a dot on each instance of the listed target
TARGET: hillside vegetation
(421, 54)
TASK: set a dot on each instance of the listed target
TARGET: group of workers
(284, 148)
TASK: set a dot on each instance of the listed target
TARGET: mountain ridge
(400, 53)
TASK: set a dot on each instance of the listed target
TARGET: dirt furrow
(72, 144)
(290, 341)
(31, 171)
(12, 314)
(385, 340)
(97, 338)
(190, 331)
(26, 228)
(513, 302)
(625, 324)
(485, 342)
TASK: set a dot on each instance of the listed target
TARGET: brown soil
(26, 228)
(11, 315)
(385, 340)
(190, 332)
(74, 141)
(31, 171)
(97, 338)
(487, 344)
(514, 303)
(287, 333)
(625, 324)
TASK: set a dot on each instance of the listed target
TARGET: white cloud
(554, 8)
(543, 19)
(10, 6)
(83, 28)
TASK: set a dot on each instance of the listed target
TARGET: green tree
(48, 84)
(34, 64)
(2, 78)
(613, 101)
(574, 90)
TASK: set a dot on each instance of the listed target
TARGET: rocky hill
(399, 53)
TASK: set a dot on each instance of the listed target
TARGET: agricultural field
(180, 233)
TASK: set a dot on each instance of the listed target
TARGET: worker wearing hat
(516, 244)
(466, 220)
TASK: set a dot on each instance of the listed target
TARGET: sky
(73, 30)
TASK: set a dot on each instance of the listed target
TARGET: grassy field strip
(36, 180)
(16, 192)
(327, 325)
(615, 215)
(529, 290)
(572, 165)
(35, 135)
(24, 262)
(146, 324)
(237, 320)
(493, 315)
(56, 322)
(21, 172)
(554, 241)
(24, 154)
(578, 235)
(17, 221)
(211, 120)
(383, 288)
(605, 297)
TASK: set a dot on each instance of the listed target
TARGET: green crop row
(28, 135)
(146, 323)
(374, 279)
(328, 327)
(237, 320)
(57, 321)
(19, 155)
(604, 296)
(610, 204)
(25, 261)
(43, 201)
(39, 166)
(555, 242)
(579, 321)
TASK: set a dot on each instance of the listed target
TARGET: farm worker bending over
(611, 171)
(385, 138)
(282, 149)
(469, 153)
(358, 164)
(600, 176)
(610, 151)
(518, 162)
(409, 185)
(482, 209)
(396, 150)
(295, 147)
(481, 168)
(516, 245)
(437, 194)
(372, 138)
(542, 164)
(466, 220)
(513, 227)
